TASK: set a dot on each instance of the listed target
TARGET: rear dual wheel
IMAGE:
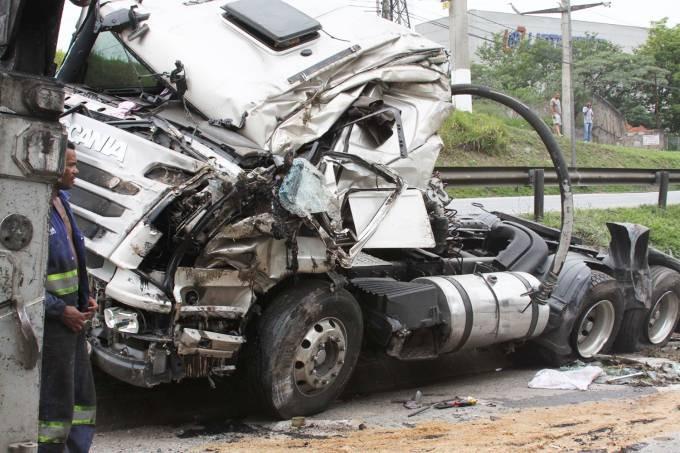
(599, 319)
(653, 327)
(663, 316)
(594, 330)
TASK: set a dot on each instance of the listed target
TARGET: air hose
(548, 282)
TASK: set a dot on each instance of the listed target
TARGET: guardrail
(538, 177)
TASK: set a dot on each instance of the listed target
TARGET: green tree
(528, 71)
(663, 48)
(531, 71)
(622, 79)
(59, 58)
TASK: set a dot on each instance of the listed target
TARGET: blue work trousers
(587, 132)
(67, 393)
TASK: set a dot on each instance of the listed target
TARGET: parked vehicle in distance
(256, 193)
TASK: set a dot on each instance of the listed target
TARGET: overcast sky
(625, 12)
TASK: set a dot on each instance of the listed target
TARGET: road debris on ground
(416, 402)
(657, 370)
(639, 371)
(670, 350)
(631, 369)
(569, 379)
(607, 426)
(456, 401)
(313, 427)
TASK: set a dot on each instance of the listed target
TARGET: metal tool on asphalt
(456, 402)
(445, 404)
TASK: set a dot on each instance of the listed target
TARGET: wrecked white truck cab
(256, 194)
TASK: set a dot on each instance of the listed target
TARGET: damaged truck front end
(199, 196)
(271, 207)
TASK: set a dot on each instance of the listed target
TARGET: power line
(436, 22)
(489, 20)
(616, 20)
(483, 29)
(446, 27)
(480, 37)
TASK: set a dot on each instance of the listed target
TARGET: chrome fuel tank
(491, 308)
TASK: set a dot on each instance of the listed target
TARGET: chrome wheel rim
(662, 317)
(595, 329)
(320, 356)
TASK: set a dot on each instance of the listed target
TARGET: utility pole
(460, 53)
(656, 102)
(568, 117)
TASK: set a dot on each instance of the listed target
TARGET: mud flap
(628, 257)
(565, 304)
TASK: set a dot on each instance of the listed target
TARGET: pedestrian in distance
(588, 122)
(67, 394)
(556, 111)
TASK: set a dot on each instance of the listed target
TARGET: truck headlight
(122, 320)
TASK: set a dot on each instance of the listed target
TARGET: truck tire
(308, 342)
(653, 327)
(663, 316)
(594, 331)
(600, 317)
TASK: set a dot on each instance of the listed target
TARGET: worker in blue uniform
(67, 394)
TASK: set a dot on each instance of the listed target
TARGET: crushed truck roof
(283, 98)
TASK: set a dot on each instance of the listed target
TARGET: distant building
(641, 137)
(482, 25)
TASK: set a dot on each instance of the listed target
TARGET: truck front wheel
(308, 342)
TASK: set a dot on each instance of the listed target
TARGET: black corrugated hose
(561, 169)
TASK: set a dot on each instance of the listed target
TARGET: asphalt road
(196, 400)
(508, 416)
(525, 204)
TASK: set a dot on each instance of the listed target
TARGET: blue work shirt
(66, 282)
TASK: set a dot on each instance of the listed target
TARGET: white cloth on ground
(578, 379)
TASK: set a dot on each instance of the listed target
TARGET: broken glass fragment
(302, 191)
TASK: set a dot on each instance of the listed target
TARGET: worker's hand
(91, 307)
(73, 318)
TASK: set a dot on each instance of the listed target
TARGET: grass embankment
(590, 225)
(488, 137)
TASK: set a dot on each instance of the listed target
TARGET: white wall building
(482, 25)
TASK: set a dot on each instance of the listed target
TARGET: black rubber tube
(561, 169)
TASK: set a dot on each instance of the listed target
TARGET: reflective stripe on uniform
(63, 283)
(53, 432)
(84, 415)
